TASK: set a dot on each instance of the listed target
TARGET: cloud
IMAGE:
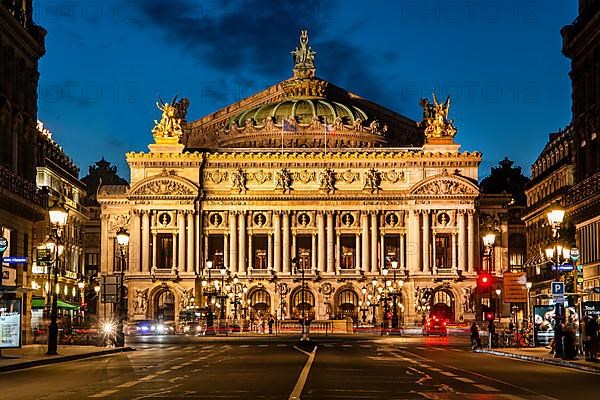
(248, 38)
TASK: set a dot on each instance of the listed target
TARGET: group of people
(589, 330)
(261, 324)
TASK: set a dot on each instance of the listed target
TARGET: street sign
(563, 267)
(575, 254)
(515, 287)
(109, 290)
(15, 260)
(558, 288)
(3, 244)
(43, 255)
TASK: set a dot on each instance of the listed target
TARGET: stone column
(134, 243)
(270, 252)
(433, 251)
(402, 250)
(285, 246)
(174, 264)
(366, 257)
(321, 238)
(471, 242)
(426, 236)
(277, 241)
(330, 243)
(225, 252)
(294, 246)
(313, 252)
(338, 252)
(242, 242)
(145, 241)
(233, 249)
(359, 265)
(374, 231)
(181, 264)
(207, 256)
(462, 242)
(251, 253)
(201, 250)
(413, 245)
(154, 251)
(190, 242)
(454, 253)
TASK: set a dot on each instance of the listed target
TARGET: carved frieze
(216, 176)
(283, 180)
(118, 221)
(304, 176)
(238, 181)
(446, 186)
(163, 186)
(393, 176)
(372, 180)
(327, 181)
(260, 176)
(347, 176)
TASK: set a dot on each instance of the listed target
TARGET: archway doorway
(442, 304)
(260, 304)
(303, 304)
(347, 305)
(164, 306)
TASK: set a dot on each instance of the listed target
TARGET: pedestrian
(586, 339)
(569, 340)
(475, 339)
(592, 332)
(271, 322)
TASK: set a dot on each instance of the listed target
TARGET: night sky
(108, 61)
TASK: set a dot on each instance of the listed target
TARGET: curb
(551, 361)
(59, 359)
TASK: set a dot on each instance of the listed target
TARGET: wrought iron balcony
(23, 188)
(584, 190)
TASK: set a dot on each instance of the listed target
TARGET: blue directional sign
(15, 260)
(558, 289)
(563, 267)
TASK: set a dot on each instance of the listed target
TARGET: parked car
(435, 326)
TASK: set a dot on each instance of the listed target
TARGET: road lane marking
(282, 345)
(104, 393)
(420, 348)
(164, 371)
(486, 388)
(447, 373)
(245, 345)
(263, 345)
(295, 395)
(128, 384)
(149, 377)
(465, 380)
(346, 345)
(176, 366)
(435, 369)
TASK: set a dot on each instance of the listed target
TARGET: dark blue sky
(107, 62)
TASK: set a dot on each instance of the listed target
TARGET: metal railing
(22, 187)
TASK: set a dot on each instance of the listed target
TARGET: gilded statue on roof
(169, 125)
(435, 119)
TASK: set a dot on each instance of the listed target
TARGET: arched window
(165, 306)
(442, 304)
(260, 303)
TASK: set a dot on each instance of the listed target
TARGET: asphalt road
(273, 368)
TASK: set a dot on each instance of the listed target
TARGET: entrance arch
(259, 302)
(443, 304)
(347, 305)
(306, 307)
(164, 306)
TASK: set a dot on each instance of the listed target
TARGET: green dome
(303, 110)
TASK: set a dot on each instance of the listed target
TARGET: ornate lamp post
(529, 313)
(222, 294)
(123, 241)
(557, 255)
(58, 218)
(364, 305)
(373, 301)
(488, 241)
(305, 323)
(395, 319)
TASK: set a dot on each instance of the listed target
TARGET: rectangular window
(303, 246)
(216, 245)
(392, 248)
(348, 252)
(165, 250)
(443, 248)
(259, 246)
(516, 261)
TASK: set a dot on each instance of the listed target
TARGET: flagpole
(282, 128)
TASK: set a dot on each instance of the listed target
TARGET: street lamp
(373, 301)
(529, 313)
(222, 294)
(488, 241)
(123, 242)
(58, 219)
(395, 318)
(556, 215)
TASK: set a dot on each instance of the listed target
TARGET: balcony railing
(22, 188)
(583, 190)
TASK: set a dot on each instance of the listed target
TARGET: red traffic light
(489, 316)
(485, 280)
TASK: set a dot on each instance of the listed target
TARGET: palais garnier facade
(303, 177)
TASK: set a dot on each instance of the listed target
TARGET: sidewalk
(35, 354)
(541, 355)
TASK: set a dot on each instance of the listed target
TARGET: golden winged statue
(435, 119)
(169, 125)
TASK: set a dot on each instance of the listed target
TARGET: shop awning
(63, 305)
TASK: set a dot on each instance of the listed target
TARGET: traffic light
(489, 316)
(484, 281)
